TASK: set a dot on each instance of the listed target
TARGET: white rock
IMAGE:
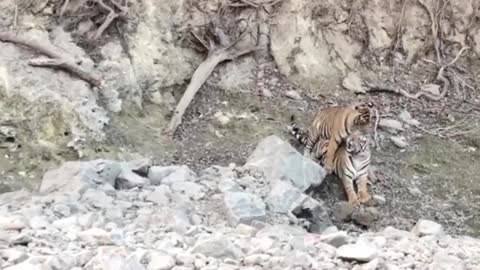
(426, 227)
(431, 88)
(159, 261)
(228, 185)
(192, 190)
(39, 222)
(406, 117)
(13, 256)
(444, 261)
(353, 82)
(390, 125)
(399, 141)
(95, 236)
(217, 247)
(13, 222)
(222, 118)
(161, 195)
(243, 207)
(379, 199)
(293, 95)
(335, 239)
(97, 198)
(169, 174)
(357, 252)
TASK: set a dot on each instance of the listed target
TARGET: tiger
(335, 124)
(351, 162)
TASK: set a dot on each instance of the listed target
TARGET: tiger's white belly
(360, 165)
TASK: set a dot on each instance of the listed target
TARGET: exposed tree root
(372, 88)
(57, 58)
(113, 9)
(226, 38)
(199, 77)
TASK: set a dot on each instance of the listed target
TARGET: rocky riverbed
(105, 214)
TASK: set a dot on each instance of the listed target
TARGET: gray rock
(108, 170)
(284, 197)
(113, 258)
(65, 223)
(357, 252)
(329, 230)
(293, 95)
(217, 247)
(342, 211)
(353, 82)
(26, 265)
(39, 222)
(426, 227)
(127, 179)
(86, 220)
(191, 190)
(169, 174)
(13, 256)
(20, 239)
(13, 222)
(61, 210)
(442, 260)
(335, 239)
(173, 218)
(95, 237)
(74, 177)
(379, 199)
(391, 125)
(399, 141)
(159, 261)
(406, 117)
(97, 198)
(114, 214)
(161, 195)
(244, 208)
(229, 185)
(365, 216)
(14, 197)
(277, 159)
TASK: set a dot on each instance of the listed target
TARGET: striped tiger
(335, 124)
(351, 162)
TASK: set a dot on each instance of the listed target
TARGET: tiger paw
(363, 196)
(353, 201)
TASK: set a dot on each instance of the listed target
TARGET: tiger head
(356, 143)
(363, 111)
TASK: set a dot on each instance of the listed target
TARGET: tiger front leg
(363, 195)
(351, 195)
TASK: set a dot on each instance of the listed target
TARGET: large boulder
(279, 160)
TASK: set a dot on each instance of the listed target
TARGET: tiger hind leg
(350, 191)
(362, 193)
(330, 155)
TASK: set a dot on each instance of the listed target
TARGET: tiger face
(363, 110)
(356, 143)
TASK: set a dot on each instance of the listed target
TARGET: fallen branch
(199, 77)
(58, 59)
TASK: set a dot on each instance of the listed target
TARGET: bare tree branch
(59, 59)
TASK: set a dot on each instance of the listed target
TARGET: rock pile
(105, 214)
